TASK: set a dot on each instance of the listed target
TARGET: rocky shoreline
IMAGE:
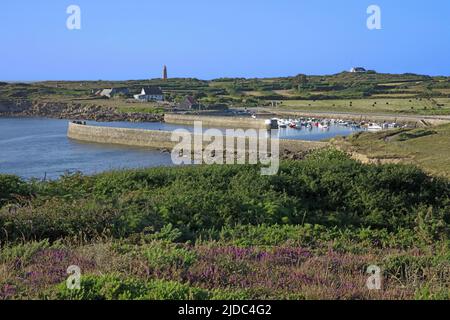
(72, 111)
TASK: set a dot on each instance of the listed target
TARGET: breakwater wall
(220, 121)
(158, 139)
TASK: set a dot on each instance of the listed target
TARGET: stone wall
(217, 121)
(159, 139)
(122, 136)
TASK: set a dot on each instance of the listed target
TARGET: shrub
(12, 187)
(327, 188)
(113, 287)
(164, 256)
(431, 224)
(404, 136)
(427, 293)
(355, 239)
(410, 268)
(58, 219)
(22, 252)
(221, 294)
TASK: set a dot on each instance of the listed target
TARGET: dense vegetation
(226, 232)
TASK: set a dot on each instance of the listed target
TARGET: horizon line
(212, 79)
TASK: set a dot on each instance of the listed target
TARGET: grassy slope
(431, 152)
(374, 105)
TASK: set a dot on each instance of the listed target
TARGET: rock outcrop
(72, 111)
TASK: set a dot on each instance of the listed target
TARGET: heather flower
(7, 291)
(49, 266)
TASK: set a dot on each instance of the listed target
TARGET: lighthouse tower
(164, 75)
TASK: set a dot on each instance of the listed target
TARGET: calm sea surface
(38, 148)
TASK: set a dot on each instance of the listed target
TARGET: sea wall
(217, 121)
(159, 139)
(122, 136)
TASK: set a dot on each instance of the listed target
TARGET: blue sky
(219, 38)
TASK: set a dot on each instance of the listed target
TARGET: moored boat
(374, 127)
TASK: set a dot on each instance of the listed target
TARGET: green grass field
(436, 106)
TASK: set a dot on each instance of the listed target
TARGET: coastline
(71, 111)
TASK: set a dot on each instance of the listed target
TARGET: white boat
(374, 127)
(393, 125)
(281, 123)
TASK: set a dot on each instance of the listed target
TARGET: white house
(358, 70)
(150, 94)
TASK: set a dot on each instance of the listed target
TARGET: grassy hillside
(369, 92)
(388, 105)
(427, 148)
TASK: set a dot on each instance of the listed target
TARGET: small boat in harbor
(374, 127)
(323, 125)
(327, 124)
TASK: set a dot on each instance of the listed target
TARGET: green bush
(57, 219)
(113, 287)
(409, 267)
(314, 236)
(404, 136)
(22, 251)
(11, 188)
(165, 256)
(67, 187)
(221, 294)
(327, 188)
(431, 224)
(426, 293)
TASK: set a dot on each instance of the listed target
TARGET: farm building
(189, 103)
(113, 91)
(358, 70)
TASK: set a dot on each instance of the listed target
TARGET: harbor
(325, 124)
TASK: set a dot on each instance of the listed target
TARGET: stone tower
(164, 75)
